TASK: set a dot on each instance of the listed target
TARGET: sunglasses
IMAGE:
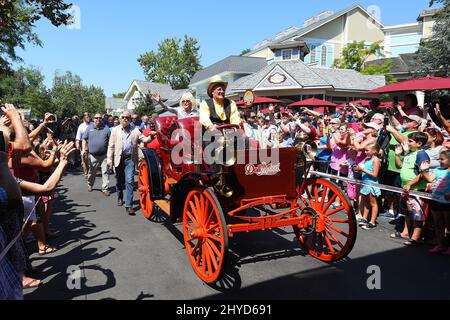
(126, 118)
(186, 101)
(98, 118)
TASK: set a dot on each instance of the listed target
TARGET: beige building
(325, 36)
(139, 89)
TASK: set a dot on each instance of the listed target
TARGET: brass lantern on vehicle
(306, 151)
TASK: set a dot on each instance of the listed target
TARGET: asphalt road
(129, 258)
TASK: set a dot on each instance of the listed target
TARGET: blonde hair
(189, 96)
(377, 148)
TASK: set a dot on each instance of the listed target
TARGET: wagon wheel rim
(144, 190)
(205, 236)
(335, 231)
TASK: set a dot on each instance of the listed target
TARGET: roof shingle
(238, 64)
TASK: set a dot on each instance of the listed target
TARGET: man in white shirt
(82, 129)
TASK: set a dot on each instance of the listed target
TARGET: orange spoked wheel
(331, 232)
(144, 190)
(205, 234)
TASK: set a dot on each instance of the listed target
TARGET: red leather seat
(187, 127)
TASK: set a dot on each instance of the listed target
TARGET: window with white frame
(324, 56)
(313, 53)
(286, 54)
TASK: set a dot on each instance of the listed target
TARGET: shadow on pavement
(73, 250)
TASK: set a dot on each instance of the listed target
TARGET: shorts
(391, 178)
(29, 204)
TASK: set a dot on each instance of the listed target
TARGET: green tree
(172, 63)
(382, 70)
(25, 88)
(119, 95)
(71, 97)
(356, 54)
(245, 51)
(17, 21)
(434, 52)
(145, 107)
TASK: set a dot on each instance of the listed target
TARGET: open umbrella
(313, 102)
(422, 84)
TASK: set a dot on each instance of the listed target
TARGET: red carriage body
(214, 206)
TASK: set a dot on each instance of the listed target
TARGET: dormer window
(286, 54)
(313, 53)
(324, 55)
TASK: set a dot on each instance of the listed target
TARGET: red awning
(422, 84)
(313, 102)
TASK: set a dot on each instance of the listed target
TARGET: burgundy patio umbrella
(422, 84)
(313, 102)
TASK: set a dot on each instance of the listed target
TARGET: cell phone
(395, 100)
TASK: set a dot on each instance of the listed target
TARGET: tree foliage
(245, 51)
(146, 107)
(174, 63)
(25, 88)
(356, 54)
(381, 70)
(119, 95)
(71, 97)
(434, 52)
(17, 21)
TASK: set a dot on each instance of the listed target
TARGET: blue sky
(114, 33)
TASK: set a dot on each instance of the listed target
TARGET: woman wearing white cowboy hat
(218, 110)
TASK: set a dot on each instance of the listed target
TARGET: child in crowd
(415, 156)
(440, 178)
(368, 204)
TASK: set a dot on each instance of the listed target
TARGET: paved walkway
(124, 257)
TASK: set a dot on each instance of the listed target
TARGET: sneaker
(359, 217)
(369, 226)
(362, 222)
(90, 188)
(388, 215)
(106, 193)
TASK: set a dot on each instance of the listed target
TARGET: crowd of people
(403, 146)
